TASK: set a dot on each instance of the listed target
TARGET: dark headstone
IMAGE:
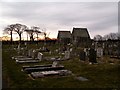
(92, 55)
(119, 49)
(82, 55)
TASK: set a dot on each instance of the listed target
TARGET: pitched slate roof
(80, 32)
(64, 34)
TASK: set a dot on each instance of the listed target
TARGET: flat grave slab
(30, 70)
(27, 61)
(36, 66)
(50, 73)
(80, 78)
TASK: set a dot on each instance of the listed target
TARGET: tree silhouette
(36, 30)
(19, 28)
(110, 36)
(118, 35)
(98, 38)
(32, 31)
(9, 30)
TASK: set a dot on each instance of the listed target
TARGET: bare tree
(9, 30)
(36, 30)
(98, 38)
(30, 32)
(19, 28)
(111, 36)
(45, 34)
(118, 35)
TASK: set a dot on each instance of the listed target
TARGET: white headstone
(86, 51)
(71, 49)
(40, 55)
(67, 54)
(54, 64)
(99, 52)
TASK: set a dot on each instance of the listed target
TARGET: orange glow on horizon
(7, 38)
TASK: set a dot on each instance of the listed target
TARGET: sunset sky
(98, 17)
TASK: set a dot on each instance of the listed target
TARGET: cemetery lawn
(102, 75)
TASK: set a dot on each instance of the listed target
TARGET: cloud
(96, 16)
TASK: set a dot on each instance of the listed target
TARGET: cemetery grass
(104, 75)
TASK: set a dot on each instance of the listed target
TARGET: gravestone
(55, 63)
(82, 55)
(118, 52)
(92, 55)
(30, 53)
(25, 45)
(67, 54)
(33, 54)
(18, 49)
(99, 52)
(81, 78)
(86, 51)
(40, 56)
(50, 52)
(110, 52)
(25, 52)
(71, 49)
(103, 45)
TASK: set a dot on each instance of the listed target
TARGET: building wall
(81, 41)
(64, 40)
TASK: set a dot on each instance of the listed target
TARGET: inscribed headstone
(99, 52)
